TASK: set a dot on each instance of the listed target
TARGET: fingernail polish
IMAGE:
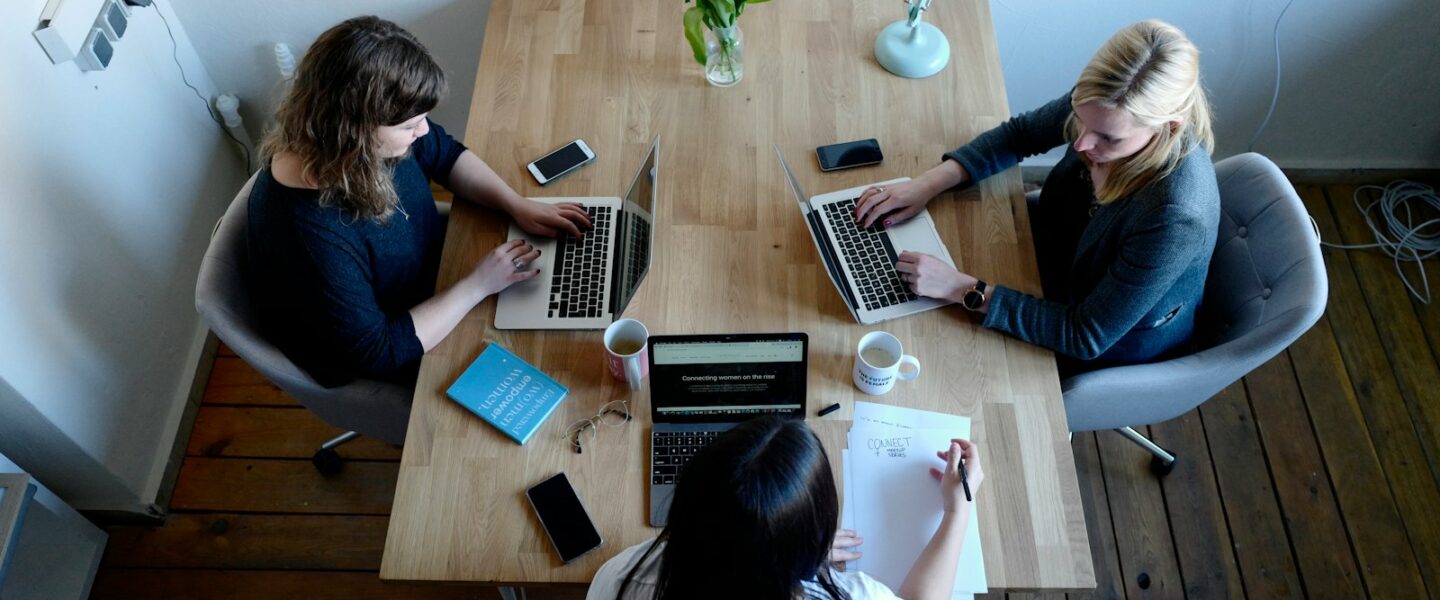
(888, 222)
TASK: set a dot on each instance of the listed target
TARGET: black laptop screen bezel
(804, 366)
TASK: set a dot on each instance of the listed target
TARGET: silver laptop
(860, 261)
(587, 283)
(703, 385)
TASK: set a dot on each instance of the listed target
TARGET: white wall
(236, 40)
(110, 186)
(1360, 85)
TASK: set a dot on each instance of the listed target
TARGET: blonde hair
(1152, 72)
(358, 76)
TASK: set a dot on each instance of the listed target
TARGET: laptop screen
(723, 378)
(636, 233)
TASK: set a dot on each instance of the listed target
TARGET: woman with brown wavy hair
(344, 234)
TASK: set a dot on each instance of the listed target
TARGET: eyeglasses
(612, 414)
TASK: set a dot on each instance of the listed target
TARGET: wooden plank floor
(1314, 476)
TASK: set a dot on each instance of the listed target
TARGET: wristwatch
(975, 298)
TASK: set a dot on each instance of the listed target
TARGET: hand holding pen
(961, 476)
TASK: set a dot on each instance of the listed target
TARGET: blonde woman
(344, 235)
(1126, 221)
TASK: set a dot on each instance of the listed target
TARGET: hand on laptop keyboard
(930, 276)
(892, 204)
(550, 220)
(496, 271)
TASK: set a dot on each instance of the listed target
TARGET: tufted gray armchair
(1266, 287)
(374, 408)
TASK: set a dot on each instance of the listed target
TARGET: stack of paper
(891, 499)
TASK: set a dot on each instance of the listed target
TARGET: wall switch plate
(65, 25)
(95, 55)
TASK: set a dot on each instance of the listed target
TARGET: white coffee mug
(625, 342)
(878, 358)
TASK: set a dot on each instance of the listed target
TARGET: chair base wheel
(327, 461)
(1160, 468)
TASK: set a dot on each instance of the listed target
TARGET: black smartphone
(564, 518)
(561, 161)
(849, 154)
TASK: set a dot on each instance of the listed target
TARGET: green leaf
(693, 34)
(727, 12)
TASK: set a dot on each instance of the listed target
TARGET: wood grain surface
(732, 255)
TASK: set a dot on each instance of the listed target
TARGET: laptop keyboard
(670, 450)
(577, 288)
(871, 258)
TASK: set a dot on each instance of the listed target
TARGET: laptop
(703, 385)
(587, 283)
(860, 261)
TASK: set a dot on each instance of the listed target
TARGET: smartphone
(561, 161)
(564, 518)
(849, 154)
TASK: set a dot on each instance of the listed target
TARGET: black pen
(829, 409)
(965, 479)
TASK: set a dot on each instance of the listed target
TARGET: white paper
(871, 413)
(896, 502)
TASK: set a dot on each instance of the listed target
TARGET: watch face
(973, 299)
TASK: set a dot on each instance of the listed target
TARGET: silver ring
(519, 264)
(879, 189)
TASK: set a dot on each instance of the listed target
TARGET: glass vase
(724, 56)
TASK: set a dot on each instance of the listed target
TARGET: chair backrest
(1266, 287)
(373, 408)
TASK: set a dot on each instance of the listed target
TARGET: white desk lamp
(912, 48)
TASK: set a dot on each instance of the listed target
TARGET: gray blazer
(1121, 285)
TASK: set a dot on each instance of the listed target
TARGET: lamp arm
(916, 7)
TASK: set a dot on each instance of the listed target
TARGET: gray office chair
(1266, 287)
(373, 408)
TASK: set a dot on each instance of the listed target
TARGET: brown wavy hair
(360, 75)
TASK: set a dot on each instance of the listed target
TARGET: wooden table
(733, 255)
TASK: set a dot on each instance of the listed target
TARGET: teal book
(507, 392)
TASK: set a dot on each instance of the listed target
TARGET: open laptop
(586, 283)
(861, 262)
(702, 385)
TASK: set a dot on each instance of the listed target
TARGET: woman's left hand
(549, 220)
(845, 538)
(932, 277)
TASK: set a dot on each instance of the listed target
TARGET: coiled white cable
(1391, 217)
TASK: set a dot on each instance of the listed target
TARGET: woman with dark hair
(754, 516)
(344, 234)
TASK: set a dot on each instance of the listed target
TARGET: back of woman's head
(754, 516)
(1151, 71)
(360, 75)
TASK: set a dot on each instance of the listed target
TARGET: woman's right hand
(952, 491)
(892, 204)
(496, 271)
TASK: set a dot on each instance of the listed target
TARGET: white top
(608, 579)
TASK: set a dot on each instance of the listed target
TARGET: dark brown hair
(360, 75)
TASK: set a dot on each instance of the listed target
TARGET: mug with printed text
(878, 362)
(625, 342)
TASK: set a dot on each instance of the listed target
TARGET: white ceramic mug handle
(907, 375)
(632, 372)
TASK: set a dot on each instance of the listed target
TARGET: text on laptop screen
(727, 378)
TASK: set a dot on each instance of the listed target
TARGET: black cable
(175, 55)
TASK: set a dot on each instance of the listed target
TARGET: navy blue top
(335, 292)
(1121, 285)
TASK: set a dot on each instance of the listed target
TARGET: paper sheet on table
(871, 413)
(892, 500)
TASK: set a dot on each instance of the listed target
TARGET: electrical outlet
(96, 53)
(114, 18)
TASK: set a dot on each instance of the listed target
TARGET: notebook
(507, 392)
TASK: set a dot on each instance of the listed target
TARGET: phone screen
(564, 517)
(849, 154)
(556, 163)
